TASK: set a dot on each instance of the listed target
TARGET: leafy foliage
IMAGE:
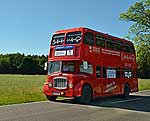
(20, 64)
(139, 32)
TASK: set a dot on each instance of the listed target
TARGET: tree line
(22, 64)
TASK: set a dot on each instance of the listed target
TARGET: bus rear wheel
(51, 98)
(126, 90)
(86, 96)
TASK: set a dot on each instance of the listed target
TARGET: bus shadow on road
(134, 102)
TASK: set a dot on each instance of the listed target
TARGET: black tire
(126, 91)
(86, 96)
(51, 98)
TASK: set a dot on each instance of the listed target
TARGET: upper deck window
(126, 47)
(110, 44)
(89, 39)
(73, 37)
(58, 39)
(118, 46)
(132, 49)
(100, 41)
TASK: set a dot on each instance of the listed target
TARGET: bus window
(88, 39)
(111, 72)
(98, 71)
(118, 46)
(126, 73)
(54, 67)
(126, 48)
(73, 37)
(89, 70)
(110, 44)
(132, 49)
(100, 41)
(68, 66)
(58, 39)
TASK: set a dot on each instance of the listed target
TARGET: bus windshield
(56, 66)
(53, 67)
(73, 37)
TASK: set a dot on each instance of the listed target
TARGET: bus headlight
(50, 84)
(70, 85)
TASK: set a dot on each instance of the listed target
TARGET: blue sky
(26, 26)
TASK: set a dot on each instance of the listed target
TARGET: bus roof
(96, 32)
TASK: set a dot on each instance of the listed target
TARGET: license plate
(56, 93)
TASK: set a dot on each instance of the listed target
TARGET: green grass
(21, 88)
(28, 88)
(144, 84)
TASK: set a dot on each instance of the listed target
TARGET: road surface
(134, 108)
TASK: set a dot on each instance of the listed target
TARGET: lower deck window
(126, 73)
(111, 73)
(89, 70)
(68, 66)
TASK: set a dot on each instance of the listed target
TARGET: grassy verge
(21, 88)
(28, 88)
(144, 84)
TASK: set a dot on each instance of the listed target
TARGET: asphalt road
(134, 108)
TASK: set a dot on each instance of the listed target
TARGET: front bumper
(56, 92)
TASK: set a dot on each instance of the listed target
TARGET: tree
(139, 32)
(5, 66)
(15, 61)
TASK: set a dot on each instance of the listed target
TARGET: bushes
(20, 64)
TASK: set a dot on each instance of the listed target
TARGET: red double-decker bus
(86, 64)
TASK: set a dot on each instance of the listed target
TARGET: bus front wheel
(86, 96)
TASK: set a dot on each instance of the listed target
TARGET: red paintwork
(96, 56)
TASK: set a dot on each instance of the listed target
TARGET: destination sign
(64, 50)
(64, 47)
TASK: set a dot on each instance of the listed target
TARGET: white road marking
(122, 101)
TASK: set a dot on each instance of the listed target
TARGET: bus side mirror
(45, 66)
(85, 65)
